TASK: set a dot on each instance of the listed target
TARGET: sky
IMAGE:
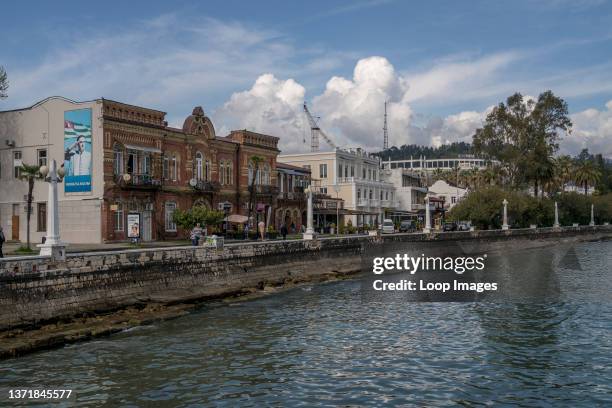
(441, 65)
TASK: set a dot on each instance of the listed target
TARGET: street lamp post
(427, 228)
(505, 224)
(337, 190)
(556, 224)
(592, 223)
(53, 245)
(309, 234)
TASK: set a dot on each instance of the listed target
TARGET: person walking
(262, 229)
(196, 235)
(246, 231)
(284, 231)
(2, 239)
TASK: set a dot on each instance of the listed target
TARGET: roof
(45, 100)
(291, 167)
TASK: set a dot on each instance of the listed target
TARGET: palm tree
(29, 173)
(256, 161)
(587, 173)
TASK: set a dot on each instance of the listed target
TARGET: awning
(236, 218)
(143, 148)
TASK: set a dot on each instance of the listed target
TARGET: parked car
(407, 226)
(449, 226)
(464, 225)
(388, 227)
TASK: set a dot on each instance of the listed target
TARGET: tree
(29, 173)
(587, 173)
(523, 135)
(255, 161)
(3, 83)
(198, 214)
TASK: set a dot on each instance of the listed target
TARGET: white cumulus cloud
(592, 129)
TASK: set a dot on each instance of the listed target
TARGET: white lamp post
(427, 228)
(53, 245)
(556, 224)
(505, 224)
(309, 234)
(592, 223)
(337, 190)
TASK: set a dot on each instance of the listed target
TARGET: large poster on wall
(133, 224)
(77, 151)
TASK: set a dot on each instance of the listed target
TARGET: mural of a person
(79, 158)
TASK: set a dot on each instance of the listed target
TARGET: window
(346, 170)
(207, 169)
(323, 170)
(352, 171)
(251, 173)
(358, 194)
(386, 195)
(42, 157)
(369, 174)
(229, 172)
(173, 168)
(119, 217)
(371, 193)
(169, 209)
(266, 174)
(41, 217)
(381, 195)
(199, 163)
(166, 168)
(132, 162)
(453, 199)
(364, 173)
(323, 190)
(17, 164)
(146, 164)
(117, 160)
(340, 170)
(222, 172)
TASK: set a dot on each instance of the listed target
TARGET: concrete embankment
(45, 303)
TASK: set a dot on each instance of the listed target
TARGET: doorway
(146, 225)
(15, 223)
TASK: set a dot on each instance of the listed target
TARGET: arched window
(251, 172)
(207, 169)
(266, 175)
(198, 165)
(117, 159)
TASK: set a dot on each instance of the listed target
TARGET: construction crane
(315, 131)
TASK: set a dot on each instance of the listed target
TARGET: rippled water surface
(326, 345)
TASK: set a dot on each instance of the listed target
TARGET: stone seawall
(35, 291)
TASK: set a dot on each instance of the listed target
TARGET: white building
(36, 135)
(409, 188)
(354, 176)
(464, 162)
(451, 194)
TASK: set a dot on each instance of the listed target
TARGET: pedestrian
(262, 229)
(246, 230)
(284, 231)
(2, 239)
(196, 234)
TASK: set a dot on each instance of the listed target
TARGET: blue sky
(440, 64)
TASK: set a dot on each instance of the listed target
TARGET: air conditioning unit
(10, 143)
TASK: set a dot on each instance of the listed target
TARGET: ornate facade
(152, 169)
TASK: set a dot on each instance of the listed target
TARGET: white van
(388, 227)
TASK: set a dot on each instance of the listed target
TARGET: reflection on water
(325, 345)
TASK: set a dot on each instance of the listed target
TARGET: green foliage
(484, 208)
(415, 151)
(523, 135)
(24, 250)
(341, 229)
(199, 214)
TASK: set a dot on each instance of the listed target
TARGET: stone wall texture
(34, 290)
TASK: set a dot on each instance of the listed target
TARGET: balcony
(138, 181)
(296, 196)
(363, 202)
(265, 190)
(205, 186)
(389, 203)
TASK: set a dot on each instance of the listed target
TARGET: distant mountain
(416, 151)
